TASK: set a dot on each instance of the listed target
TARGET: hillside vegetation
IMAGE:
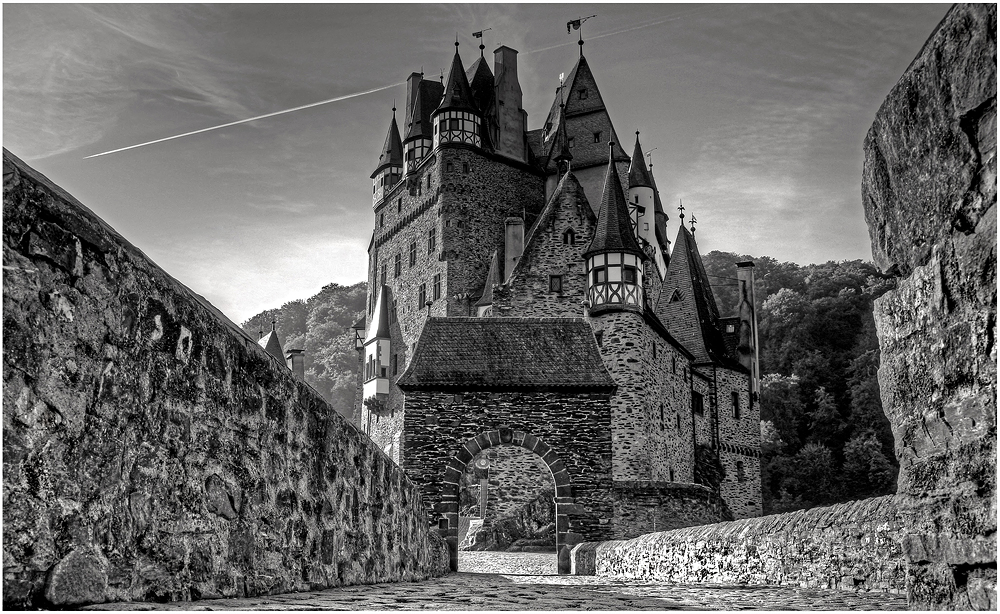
(825, 438)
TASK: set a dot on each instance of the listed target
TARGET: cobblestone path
(516, 581)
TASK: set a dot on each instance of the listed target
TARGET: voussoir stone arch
(456, 466)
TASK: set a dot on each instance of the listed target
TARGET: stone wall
(929, 194)
(645, 507)
(846, 546)
(153, 451)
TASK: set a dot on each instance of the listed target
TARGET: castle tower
(377, 347)
(421, 99)
(457, 119)
(642, 204)
(390, 163)
(614, 258)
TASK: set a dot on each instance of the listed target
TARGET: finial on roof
(394, 108)
(274, 322)
(680, 208)
(456, 42)
(693, 221)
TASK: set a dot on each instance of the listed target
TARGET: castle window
(637, 199)
(569, 237)
(730, 328)
(736, 405)
(465, 167)
(383, 274)
(677, 419)
(676, 296)
(572, 142)
(413, 253)
(431, 240)
(392, 312)
(741, 475)
(393, 364)
(671, 474)
(600, 275)
(555, 283)
(381, 219)
(673, 364)
(645, 226)
(454, 124)
(428, 182)
(399, 205)
(583, 94)
(654, 350)
(398, 265)
(422, 296)
(449, 167)
(597, 136)
(599, 335)
(661, 416)
(437, 286)
(697, 403)
(628, 274)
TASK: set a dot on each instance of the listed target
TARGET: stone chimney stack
(748, 345)
(513, 244)
(296, 361)
(412, 84)
(511, 118)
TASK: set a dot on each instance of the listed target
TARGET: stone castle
(522, 291)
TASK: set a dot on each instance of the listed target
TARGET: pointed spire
(564, 156)
(270, 341)
(457, 93)
(614, 224)
(638, 176)
(392, 150)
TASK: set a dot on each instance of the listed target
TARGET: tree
(781, 405)
(867, 472)
(810, 474)
(826, 426)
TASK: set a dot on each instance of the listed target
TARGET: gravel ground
(528, 581)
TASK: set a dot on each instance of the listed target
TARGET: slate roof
(530, 354)
(378, 328)
(272, 345)
(493, 277)
(614, 226)
(638, 175)
(426, 96)
(457, 94)
(392, 151)
(481, 83)
(704, 339)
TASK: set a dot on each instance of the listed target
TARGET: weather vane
(680, 208)
(694, 220)
(576, 24)
(479, 35)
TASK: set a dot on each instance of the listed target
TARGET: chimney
(412, 85)
(746, 308)
(511, 119)
(296, 361)
(513, 239)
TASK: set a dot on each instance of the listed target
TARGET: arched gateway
(537, 383)
(566, 507)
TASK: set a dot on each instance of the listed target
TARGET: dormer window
(583, 94)
(569, 237)
(597, 136)
(572, 142)
(456, 127)
(676, 296)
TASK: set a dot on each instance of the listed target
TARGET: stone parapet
(855, 546)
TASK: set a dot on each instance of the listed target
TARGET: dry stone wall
(152, 451)
(853, 546)
(929, 194)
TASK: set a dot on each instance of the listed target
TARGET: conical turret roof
(457, 92)
(392, 151)
(271, 344)
(378, 328)
(614, 225)
(638, 175)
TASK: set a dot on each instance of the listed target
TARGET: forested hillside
(319, 326)
(825, 438)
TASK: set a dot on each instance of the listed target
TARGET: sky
(756, 115)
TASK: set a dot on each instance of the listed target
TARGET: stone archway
(456, 465)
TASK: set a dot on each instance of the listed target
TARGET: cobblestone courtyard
(521, 581)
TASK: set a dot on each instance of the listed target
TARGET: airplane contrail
(379, 89)
(250, 119)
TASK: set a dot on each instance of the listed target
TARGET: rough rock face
(930, 201)
(152, 451)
